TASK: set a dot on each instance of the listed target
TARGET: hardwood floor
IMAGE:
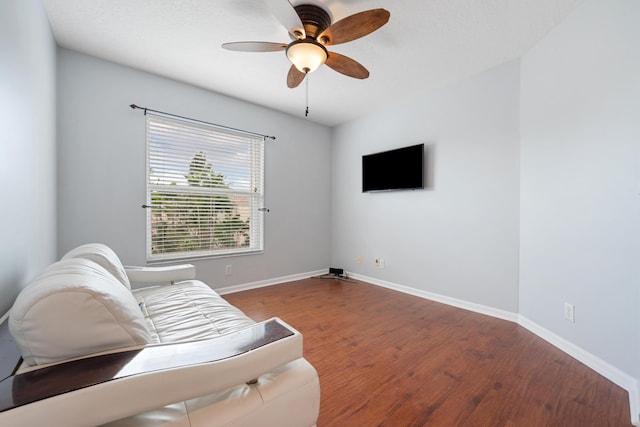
(389, 359)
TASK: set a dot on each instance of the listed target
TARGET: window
(204, 190)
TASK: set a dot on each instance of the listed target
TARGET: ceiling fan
(311, 29)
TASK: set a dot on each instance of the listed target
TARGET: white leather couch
(97, 352)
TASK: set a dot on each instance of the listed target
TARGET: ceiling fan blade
(286, 14)
(295, 77)
(354, 26)
(347, 66)
(254, 46)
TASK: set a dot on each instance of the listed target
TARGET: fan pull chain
(306, 83)
(306, 112)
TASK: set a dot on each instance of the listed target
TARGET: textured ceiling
(426, 44)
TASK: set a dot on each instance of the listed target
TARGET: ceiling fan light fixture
(307, 55)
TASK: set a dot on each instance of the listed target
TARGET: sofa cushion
(188, 310)
(75, 308)
(104, 256)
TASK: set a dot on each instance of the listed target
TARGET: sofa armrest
(134, 381)
(169, 273)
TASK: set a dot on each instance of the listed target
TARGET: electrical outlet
(227, 269)
(381, 263)
(570, 312)
(359, 259)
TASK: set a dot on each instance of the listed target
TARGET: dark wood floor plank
(389, 359)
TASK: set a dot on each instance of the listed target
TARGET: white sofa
(97, 352)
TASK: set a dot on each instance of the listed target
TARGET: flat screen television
(399, 169)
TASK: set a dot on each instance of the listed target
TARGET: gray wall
(459, 237)
(101, 173)
(580, 181)
(27, 162)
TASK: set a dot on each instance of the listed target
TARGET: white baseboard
(268, 282)
(478, 308)
(605, 369)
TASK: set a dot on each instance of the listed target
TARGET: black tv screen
(399, 169)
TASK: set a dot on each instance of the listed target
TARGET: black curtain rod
(134, 106)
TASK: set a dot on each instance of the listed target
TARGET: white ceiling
(426, 44)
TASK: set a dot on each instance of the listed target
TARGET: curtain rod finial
(133, 106)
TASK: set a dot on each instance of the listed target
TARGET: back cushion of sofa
(103, 255)
(75, 308)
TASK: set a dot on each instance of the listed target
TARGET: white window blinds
(204, 190)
